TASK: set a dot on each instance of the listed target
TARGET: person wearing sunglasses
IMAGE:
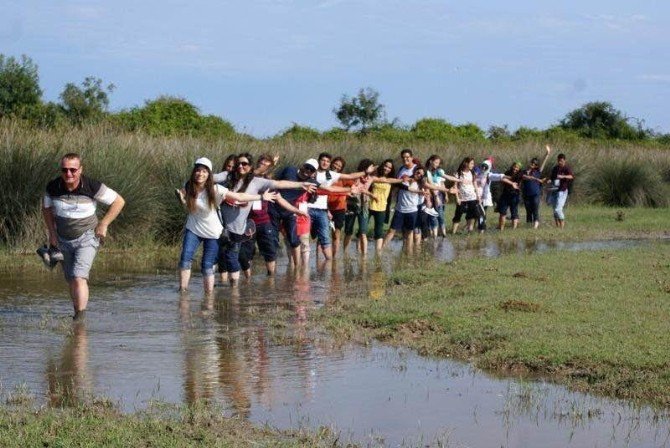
(236, 213)
(69, 211)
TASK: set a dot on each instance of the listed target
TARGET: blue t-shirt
(531, 187)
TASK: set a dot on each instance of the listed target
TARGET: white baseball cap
(313, 163)
(204, 161)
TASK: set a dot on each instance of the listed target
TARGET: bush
(19, 85)
(300, 133)
(439, 130)
(627, 183)
(170, 116)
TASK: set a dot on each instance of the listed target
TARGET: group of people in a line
(249, 204)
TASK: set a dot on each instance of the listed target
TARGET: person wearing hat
(297, 229)
(532, 189)
(203, 224)
(483, 178)
(69, 211)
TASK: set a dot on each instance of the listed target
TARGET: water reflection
(68, 379)
(250, 350)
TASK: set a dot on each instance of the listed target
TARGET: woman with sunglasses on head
(203, 224)
(236, 213)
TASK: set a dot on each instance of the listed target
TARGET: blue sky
(265, 64)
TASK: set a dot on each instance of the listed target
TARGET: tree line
(361, 115)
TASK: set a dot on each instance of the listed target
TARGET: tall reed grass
(146, 169)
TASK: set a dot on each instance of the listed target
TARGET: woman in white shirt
(203, 224)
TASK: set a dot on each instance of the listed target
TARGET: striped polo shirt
(75, 210)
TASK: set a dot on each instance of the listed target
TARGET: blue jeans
(559, 202)
(320, 226)
(532, 204)
(210, 250)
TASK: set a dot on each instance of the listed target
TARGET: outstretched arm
(50, 221)
(246, 197)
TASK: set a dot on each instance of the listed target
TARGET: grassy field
(146, 169)
(95, 425)
(598, 321)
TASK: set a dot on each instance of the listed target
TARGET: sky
(264, 65)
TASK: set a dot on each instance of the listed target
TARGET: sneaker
(43, 253)
(55, 254)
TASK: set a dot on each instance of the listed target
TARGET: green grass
(598, 321)
(95, 425)
(146, 169)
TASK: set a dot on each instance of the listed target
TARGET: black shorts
(339, 218)
(267, 240)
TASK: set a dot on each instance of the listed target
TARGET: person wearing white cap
(483, 179)
(203, 225)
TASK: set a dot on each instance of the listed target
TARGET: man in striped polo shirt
(70, 216)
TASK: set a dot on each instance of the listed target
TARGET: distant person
(337, 203)
(483, 178)
(318, 210)
(561, 178)
(69, 211)
(532, 189)
(381, 196)
(203, 224)
(467, 197)
(511, 196)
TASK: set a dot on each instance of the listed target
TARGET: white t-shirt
(408, 202)
(204, 221)
(466, 188)
(484, 184)
(323, 181)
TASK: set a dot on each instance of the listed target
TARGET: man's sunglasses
(69, 170)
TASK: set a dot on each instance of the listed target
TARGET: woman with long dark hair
(468, 195)
(203, 225)
(236, 213)
(511, 196)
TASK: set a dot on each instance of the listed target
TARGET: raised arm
(546, 157)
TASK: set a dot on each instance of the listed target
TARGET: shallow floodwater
(142, 341)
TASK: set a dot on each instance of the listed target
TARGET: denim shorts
(405, 222)
(339, 217)
(78, 255)
(267, 240)
(320, 226)
(510, 201)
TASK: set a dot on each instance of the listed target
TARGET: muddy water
(142, 341)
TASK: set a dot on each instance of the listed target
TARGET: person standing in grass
(483, 179)
(511, 196)
(69, 211)
(532, 189)
(228, 166)
(436, 176)
(203, 225)
(562, 177)
(468, 196)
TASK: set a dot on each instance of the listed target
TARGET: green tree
(300, 133)
(361, 111)
(169, 115)
(19, 85)
(601, 120)
(86, 103)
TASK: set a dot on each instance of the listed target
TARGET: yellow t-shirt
(381, 192)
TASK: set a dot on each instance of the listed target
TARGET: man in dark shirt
(70, 215)
(561, 178)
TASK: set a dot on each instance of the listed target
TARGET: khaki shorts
(78, 255)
